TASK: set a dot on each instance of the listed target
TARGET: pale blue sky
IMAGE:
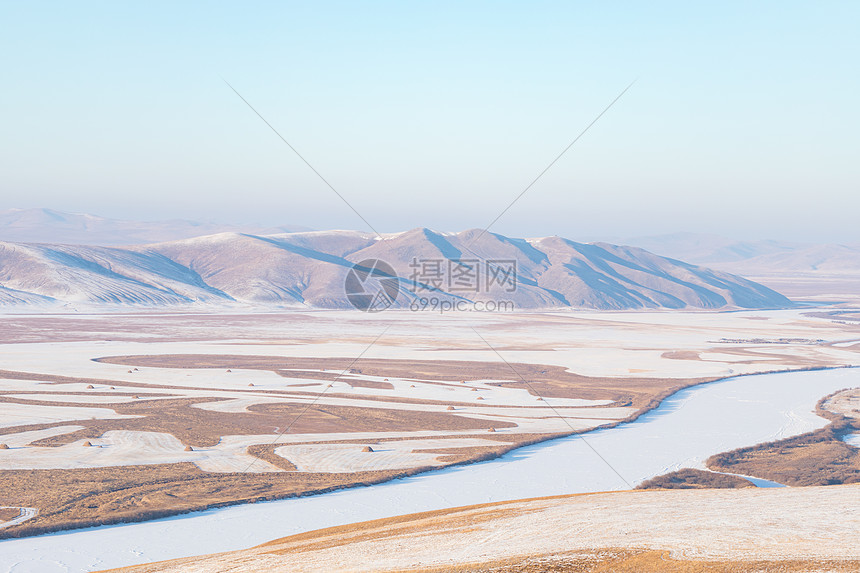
(744, 120)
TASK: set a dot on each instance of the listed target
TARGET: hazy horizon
(742, 121)
(207, 226)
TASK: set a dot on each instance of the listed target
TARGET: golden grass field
(816, 458)
(683, 531)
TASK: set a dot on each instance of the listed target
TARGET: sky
(742, 121)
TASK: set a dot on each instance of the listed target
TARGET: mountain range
(309, 269)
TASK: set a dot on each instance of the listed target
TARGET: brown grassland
(449, 529)
(79, 498)
(688, 478)
(8, 513)
(815, 458)
(76, 498)
(642, 561)
(610, 560)
(201, 428)
(543, 380)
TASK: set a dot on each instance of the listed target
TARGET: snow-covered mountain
(309, 268)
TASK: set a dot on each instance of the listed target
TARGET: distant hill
(702, 248)
(309, 268)
(796, 269)
(51, 226)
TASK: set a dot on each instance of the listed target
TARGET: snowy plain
(687, 428)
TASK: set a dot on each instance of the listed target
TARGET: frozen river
(687, 428)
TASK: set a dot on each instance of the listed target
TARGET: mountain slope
(99, 275)
(309, 268)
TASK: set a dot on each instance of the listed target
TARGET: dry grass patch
(473, 453)
(75, 498)
(817, 458)
(543, 380)
(689, 478)
(626, 561)
(386, 544)
(607, 560)
(204, 428)
(266, 452)
(9, 513)
(87, 497)
(751, 355)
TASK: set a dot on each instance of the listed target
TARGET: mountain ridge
(309, 268)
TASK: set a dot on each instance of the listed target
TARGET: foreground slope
(309, 269)
(789, 529)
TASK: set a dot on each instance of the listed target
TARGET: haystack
(90, 387)
(479, 398)
(4, 447)
(251, 384)
(450, 408)
(189, 449)
(366, 449)
(130, 372)
(228, 370)
(474, 389)
(87, 444)
(491, 430)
